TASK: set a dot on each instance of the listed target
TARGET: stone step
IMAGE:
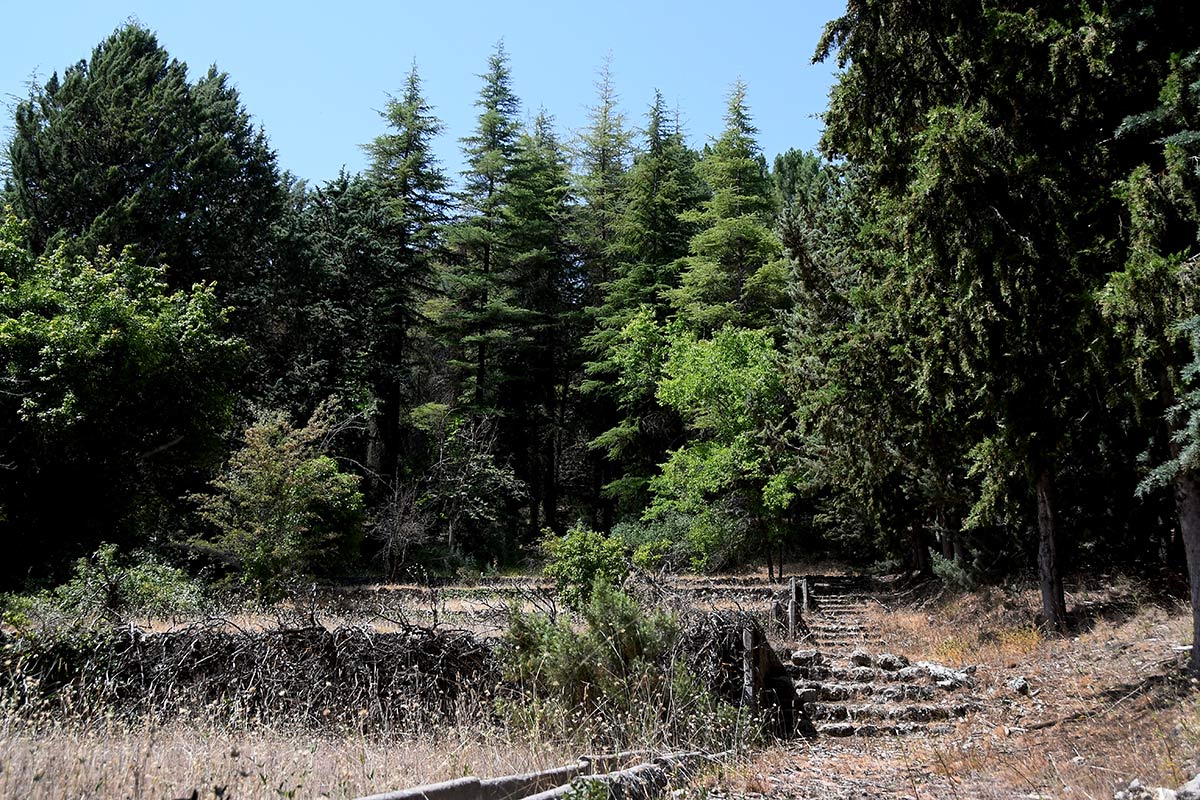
(827, 674)
(891, 693)
(841, 692)
(844, 729)
(875, 712)
(826, 628)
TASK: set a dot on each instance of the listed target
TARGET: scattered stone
(1019, 685)
(891, 662)
(945, 677)
(1136, 790)
(838, 729)
(861, 658)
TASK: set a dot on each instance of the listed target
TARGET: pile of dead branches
(351, 677)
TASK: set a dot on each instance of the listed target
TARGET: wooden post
(791, 611)
(804, 591)
(749, 695)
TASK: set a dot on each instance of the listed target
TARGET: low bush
(106, 587)
(621, 681)
(283, 511)
(581, 558)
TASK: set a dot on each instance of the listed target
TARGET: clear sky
(315, 74)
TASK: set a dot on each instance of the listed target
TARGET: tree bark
(1187, 503)
(1054, 604)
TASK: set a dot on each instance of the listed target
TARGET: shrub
(283, 511)
(581, 558)
(951, 572)
(659, 542)
(107, 587)
(652, 554)
(621, 681)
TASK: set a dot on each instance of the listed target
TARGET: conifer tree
(734, 273)
(602, 151)
(411, 190)
(122, 150)
(541, 366)
(479, 319)
(653, 234)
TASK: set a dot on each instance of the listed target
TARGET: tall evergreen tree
(625, 341)
(410, 186)
(478, 279)
(541, 365)
(602, 151)
(734, 273)
(983, 135)
(123, 150)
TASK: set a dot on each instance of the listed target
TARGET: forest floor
(1105, 704)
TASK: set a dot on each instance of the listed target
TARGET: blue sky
(315, 74)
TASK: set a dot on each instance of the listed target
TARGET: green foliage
(581, 560)
(620, 681)
(651, 555)
(122, 150)
(283, 511)
(952, 573)
(730, 391)
(465, 491)
(105, 587)
(115, 390)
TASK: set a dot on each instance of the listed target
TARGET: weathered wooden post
(804, 592)
(791, 610)
(749, 692)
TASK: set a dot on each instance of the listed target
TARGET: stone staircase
(885, 695)
(847, 687)
(835, 620)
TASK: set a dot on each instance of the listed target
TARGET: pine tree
(652, 235)
(602, 151)
(407, 182)
(542, 361)
(478, 322)
(734, 273)
(123, 150)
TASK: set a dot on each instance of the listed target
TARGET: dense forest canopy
(962, 337)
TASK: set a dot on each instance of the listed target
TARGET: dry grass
(175, 761)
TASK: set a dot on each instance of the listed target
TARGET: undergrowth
(619, 680)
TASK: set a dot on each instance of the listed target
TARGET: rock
(891, 662)
(861, 675)
(838, 729)
(1138, 791)
(946, 677)
(1190, 790)
(861, 658)
(1019, 685)
(910, 674)
(807, 658)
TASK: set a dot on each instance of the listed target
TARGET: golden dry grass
(154, 762)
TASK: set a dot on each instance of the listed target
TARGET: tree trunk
(1187, 503)
(1054, 604)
